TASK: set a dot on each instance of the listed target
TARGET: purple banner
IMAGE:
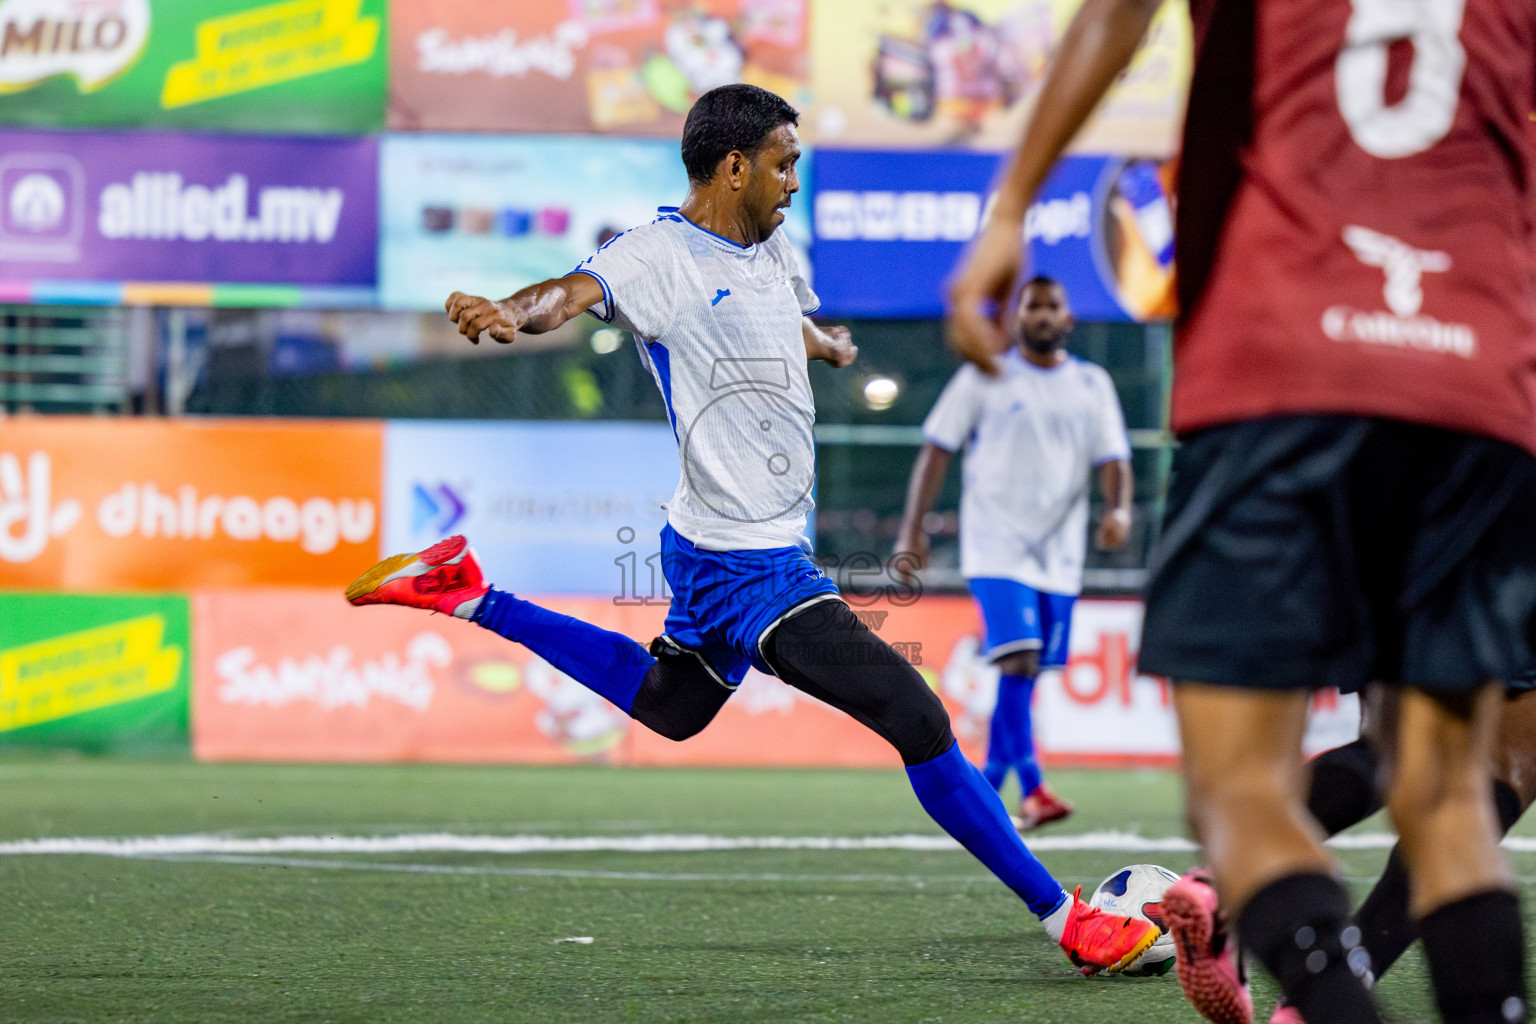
(163, 206)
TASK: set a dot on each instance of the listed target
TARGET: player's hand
(476, 316)
(911, 551)
(1114, 529)
(979, 293)
(835, 345)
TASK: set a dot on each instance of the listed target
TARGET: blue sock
(1003, 733)
(609, 664)
(1020, 690)
(956, 796)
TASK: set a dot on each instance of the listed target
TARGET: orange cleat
(1097, 940)
(1041, 807)
(444, 578)
(1209, 963)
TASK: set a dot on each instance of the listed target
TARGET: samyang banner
(1102, 226)
(162, 206)
(305, 66)
(632, 67)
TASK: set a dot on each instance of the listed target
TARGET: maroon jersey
(1357, 214)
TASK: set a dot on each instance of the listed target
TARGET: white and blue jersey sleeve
(638, 271)
(1110, 442)
(954, 416)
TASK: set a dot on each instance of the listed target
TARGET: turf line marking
(448, 842)
(623, 876)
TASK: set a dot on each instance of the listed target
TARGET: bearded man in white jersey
(1032, 434)
(717, 304)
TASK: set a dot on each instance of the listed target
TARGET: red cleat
(444, 578)
(1209, 966)
(1041, 807)
(1285, 1013)
(1097, 940)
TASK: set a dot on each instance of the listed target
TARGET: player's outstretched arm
(1099, 43)
(923, 488)
(533, 310)
(833, 344)
(1119, 488)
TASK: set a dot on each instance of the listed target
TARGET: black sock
(1507, 802)
(1343, 790)
(1386, 930)
(1476, 958)
(1299, 927)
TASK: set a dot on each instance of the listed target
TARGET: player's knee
(1020, 663)
(678, 698)
(917, 723)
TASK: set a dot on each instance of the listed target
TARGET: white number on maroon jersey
(1424, 115)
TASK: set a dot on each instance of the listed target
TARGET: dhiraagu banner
(97, 673)
(305, 66)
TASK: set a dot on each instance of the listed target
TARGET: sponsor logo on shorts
(1401, 325)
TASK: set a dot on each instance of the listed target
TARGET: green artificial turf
(742, 936)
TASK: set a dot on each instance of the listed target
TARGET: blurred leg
(1245, 781)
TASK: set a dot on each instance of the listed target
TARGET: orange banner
(298, 675)
(135, 504)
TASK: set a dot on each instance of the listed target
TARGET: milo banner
(628, 66)
(238, 65)
(120, 206)
(108, 674)
(915, 74)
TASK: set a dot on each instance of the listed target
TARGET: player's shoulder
(1091, 372)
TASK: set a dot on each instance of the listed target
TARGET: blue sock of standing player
(605, 662)
(957, 796)
(1021, 691)
(1011, 741)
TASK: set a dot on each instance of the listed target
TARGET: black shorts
(1313, 551)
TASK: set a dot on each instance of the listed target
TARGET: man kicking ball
(717, 305)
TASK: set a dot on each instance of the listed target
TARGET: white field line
(448, 842)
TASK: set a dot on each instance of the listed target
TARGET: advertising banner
(917, 74)
(297, 675)
(890, 228)
(552, 508)
(627, 66)
(491, 215)
(99, 504)
(305, 66)
(106, 674)
(171, 207)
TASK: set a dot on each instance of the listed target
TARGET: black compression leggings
(824, 651)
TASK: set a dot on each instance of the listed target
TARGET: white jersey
(718, 324)
(1031, 437)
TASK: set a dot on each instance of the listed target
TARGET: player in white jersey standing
(717, 305)
(1032, 435)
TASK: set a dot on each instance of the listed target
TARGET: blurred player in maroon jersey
(1355, 392)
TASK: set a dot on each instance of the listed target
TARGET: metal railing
(63, 359)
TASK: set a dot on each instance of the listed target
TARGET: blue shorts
(725, 603)
(1020, 618)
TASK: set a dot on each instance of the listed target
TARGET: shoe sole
(1153, 934)
(374, 578)
(1206, 987)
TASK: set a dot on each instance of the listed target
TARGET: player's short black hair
(1041, 281)
(732, 117)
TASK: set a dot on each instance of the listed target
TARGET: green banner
(304, 66)
(102, 674)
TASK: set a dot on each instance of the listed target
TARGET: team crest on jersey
(1401, 325)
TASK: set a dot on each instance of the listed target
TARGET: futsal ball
(1137, 891)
